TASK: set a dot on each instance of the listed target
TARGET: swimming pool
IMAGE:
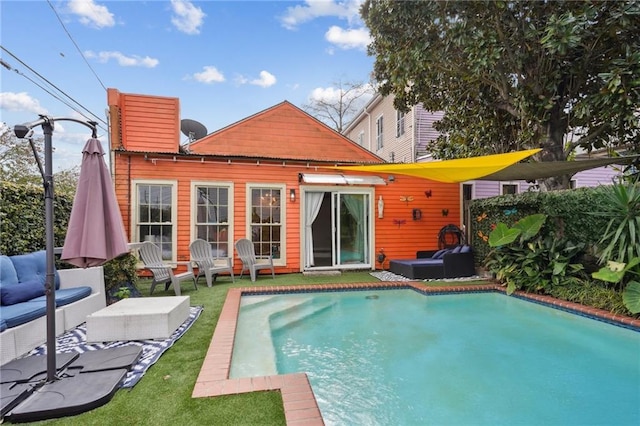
(400, 357)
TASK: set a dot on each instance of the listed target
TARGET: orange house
(269, 178)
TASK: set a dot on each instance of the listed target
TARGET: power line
(76, 45)
(50, 84)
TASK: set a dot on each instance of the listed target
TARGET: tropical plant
(524, 260)
(617, 273)
(622, 235)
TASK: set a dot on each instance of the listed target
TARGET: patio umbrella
(95, 233)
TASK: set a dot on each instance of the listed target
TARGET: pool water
(398, 357)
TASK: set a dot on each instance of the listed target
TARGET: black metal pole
(21, 131)
(50, 288)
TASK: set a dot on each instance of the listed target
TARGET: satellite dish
(192, 129)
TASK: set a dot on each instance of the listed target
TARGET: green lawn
(163, 395)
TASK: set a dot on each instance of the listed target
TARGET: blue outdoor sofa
(454, 262)
(79, 292)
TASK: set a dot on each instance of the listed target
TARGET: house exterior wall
(137, 162)
(405, 148)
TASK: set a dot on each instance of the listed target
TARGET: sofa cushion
(456, 249)
(21, 313)
(465, 249)
(3, 325)
(440, 253)
(7, 271)
(21, 292)
(66, 296)
(32, 266)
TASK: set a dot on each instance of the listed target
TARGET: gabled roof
(283, 132)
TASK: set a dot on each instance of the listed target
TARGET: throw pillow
(465, 249)
(22, 292)
(456, 249)
(438, 254)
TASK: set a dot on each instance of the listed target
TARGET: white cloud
(209, 75)
(348, 39)
(188, 18)
(92, 14)
(122, 59)
(11, 101)
(312, 9)
(266, 79)
(333, 94)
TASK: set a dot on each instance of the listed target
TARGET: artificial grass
(163, 395)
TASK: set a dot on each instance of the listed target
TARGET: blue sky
(225, 60)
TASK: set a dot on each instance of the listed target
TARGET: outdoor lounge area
(455, 262)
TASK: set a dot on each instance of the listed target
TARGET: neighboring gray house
(402, 138)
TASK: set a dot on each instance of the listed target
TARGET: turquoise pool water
(397, 357)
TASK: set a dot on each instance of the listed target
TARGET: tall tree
(336, 106)
(513, 74)
(18, 164)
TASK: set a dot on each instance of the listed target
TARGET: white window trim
(379, 133)
(400, 123)
(135, 236)
(194, 212)
(284, 199)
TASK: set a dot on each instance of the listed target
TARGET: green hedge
(22, 218)
(573, 214)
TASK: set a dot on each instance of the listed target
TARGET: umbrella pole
(50, 287)
(47, 127)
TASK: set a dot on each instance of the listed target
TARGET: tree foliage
(336, 107)
(513, 75)
(19, 166)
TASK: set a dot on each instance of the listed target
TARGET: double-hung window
(213, 212)
(379, 132)
(154, 218)
(399, 123)
(266, 205)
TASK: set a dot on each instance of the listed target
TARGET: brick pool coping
(300, 406)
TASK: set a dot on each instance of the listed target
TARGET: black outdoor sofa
(455, 262)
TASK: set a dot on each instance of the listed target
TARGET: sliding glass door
(337, 229)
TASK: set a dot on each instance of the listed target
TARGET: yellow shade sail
(449, 171)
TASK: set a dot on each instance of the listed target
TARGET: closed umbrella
(95, 233)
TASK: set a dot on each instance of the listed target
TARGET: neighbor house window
(399, 123)
(155, 214)
(266, 220)
(379, 132)
(361, 138)
(509, 188)
(213, 211)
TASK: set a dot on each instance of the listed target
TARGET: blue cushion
(33, 266)
(7, 272)
(456, 249)
(67, 295)
(21, 313)
(21, 292)
(465, 249)
(440, 253)
(3, 325)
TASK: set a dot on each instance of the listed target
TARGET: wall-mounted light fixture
(292, 195)
(391, 178)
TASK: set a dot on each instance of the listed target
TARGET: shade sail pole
(21, 131)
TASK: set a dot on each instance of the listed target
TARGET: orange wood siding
(150, 123)
(397, 240)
